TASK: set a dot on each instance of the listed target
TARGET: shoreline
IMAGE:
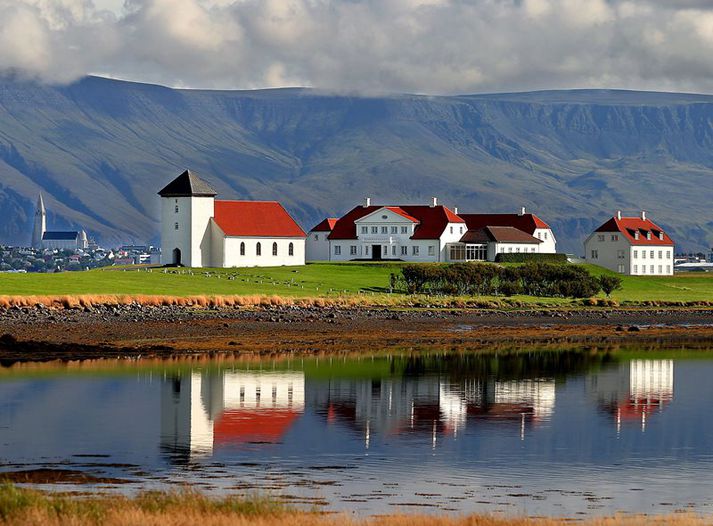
(134, 330)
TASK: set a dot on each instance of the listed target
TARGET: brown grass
(32, 508)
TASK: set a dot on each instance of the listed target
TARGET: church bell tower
(40, 225)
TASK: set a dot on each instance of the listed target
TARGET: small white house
(199, 231)
(631, 245)
(426, 233)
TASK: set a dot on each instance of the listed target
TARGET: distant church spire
(40, 223)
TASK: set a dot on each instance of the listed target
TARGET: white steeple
(40, 225)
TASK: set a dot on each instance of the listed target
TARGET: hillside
(100, 149)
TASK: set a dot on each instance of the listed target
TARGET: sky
(369, 46)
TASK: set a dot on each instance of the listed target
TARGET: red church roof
(629, 226)
(255, 219)
(240, 426)
(525, 222)
(432, 220)
(327, 225)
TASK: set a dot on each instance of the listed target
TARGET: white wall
(317, 246)
(662, 261)
(511, 248)
(609, 252)
(549, 243)
(232, 257)
(193, 235)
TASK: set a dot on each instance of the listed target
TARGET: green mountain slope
(100, 149)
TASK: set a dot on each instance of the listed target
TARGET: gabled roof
(241, 426)
(628, 226)
(326, 225)
(59, 236)
(188, 184)
(255, 219)
(525, 222)
(432, 220)
(499, 234)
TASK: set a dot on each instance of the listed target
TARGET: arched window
(274, 249)
(258, 249)
(242, 248)
(291, 249)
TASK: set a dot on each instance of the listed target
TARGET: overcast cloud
(420, 46)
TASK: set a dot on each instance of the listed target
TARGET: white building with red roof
(197, 230)
(631, 245)
(425, 233)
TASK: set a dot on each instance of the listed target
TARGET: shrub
(609, 284)
(527, 257)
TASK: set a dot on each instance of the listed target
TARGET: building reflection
(204, 410)
(634, 391)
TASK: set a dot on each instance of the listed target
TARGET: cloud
(420, 46)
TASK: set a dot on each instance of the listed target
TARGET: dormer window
(636, 235)
(648, 235)
(661, 236)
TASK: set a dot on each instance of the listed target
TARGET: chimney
(618, 215)
(455, 210)
(643, 215)
(434, 202)
(522, 211)
(367, 202)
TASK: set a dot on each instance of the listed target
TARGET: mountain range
(100, 149)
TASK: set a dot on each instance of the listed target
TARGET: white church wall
(233, 258)
(217, 245)
(175, 229)
(202, 210)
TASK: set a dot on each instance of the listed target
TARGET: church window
(274, 249)
(242, 248)
(176, 208)
(175, 226)
(258, 249)
(291, 249)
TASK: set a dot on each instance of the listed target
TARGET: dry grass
(32, 508)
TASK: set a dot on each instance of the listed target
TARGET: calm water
(541, 433)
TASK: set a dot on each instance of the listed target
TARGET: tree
(609, 284)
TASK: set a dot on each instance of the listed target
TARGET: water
(542, 433)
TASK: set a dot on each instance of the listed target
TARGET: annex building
(54, 239)
(631, 245)
(198, 230)
(426, 233)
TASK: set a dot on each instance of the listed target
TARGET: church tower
(40, 223)
(187, 206)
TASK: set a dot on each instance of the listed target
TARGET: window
(668, 269)
(660, 254)
(393, 250)
(366, 250)
(353, 250)
(316, 237)
(643, 254)
(242, 248)
(375, 230)
(384, 217)
(461, 230)
(384, 229)
(636, 254)
(620, 254)
(509, 249)
(365, 230)
(652, 269)
(600, 237)
(337, 250)
(648, 235)
(595, 254)
(614, 237)
(291, 249)
(385, 250)
(476, 252)
(660, 269)
(517, 250)
(636, 269)
(643, 269)
(274, 249)
(668, 254)
(394, 230)
(539, 235)
(175, 226)
(545, 235)
(258, 249)
(451, 230)
(652, 254)
(457, 252)
(621, 268)
(404, 230)
(414, 250)
(431, 250)
(404, 250)
(176, 209)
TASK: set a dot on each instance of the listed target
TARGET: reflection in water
(202, 410)
(544, 432)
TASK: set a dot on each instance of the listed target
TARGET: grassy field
(31, 508)
(316, 280)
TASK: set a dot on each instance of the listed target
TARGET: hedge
(527, 257)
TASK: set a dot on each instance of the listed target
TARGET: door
(376, 252)
(176, 256)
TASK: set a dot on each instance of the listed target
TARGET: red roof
(240, 426)
(327, 225)
(432, 220)
(255, 219)
(500, 234)
(526, 222)
(629, 226)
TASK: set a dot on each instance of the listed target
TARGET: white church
(198, 230)
(54, 239)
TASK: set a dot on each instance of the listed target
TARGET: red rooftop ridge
(255, 219)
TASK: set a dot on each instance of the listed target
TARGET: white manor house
(198, 230)
(426, 233)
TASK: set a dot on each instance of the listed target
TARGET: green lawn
(318, 279)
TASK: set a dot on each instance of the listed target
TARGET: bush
(529, 257)
(609, 284)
